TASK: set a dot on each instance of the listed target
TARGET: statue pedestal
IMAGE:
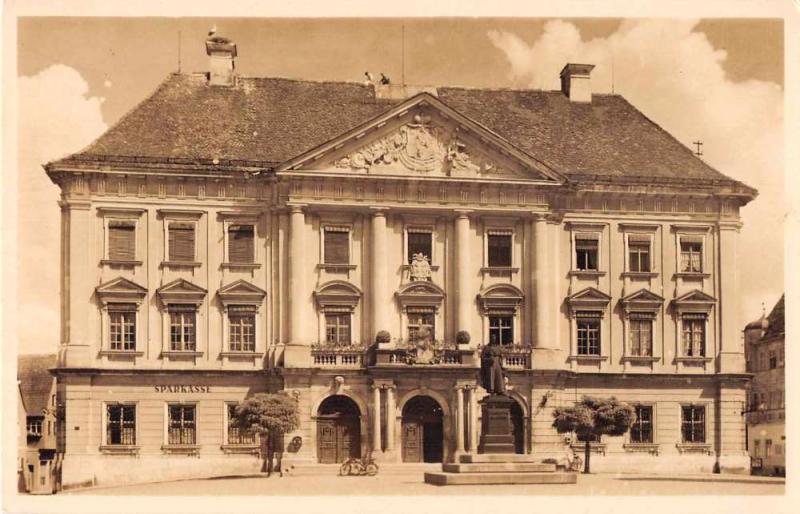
(496, 427)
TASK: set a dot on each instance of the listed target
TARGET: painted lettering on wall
(183, 389)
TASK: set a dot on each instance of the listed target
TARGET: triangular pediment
(590, 294)
(241, 291)
(120, 290)
(424, 137)
(181, 291)
(643, 296)
(695, 297)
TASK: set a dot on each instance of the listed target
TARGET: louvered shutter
(121, 240)
(240, 243)
(337, 246)
(181, 242)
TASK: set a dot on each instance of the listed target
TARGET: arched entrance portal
(423, 434)
(518, 427)
(338, 430)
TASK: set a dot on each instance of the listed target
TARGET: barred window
(694, 335)
(499, 250)
(693, 423)
(420, 241)
(418, 321)
(182, 321)
(641, 335)
(691, 256)
(121, 240)
(181, 241)
(588, 325)
(241, 246)
(122, 326)
(242, 328)
(337, 328)
(337, 245)
(238, 435)
(642, 429)
(182, 424)
(120, 424)
(586, 252)
(639, 253)
(501, 329)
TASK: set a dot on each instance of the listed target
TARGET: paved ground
(412, 484)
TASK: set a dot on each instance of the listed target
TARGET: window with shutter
(499, 249)
(639, 253)
(241, 247)
(337, 245)
(181, 242)
(586, 252)
(121, 240)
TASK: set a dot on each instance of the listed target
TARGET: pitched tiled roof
(266, 121)
(35, 381)
(776, 320)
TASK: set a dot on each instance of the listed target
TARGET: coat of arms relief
(420, 146)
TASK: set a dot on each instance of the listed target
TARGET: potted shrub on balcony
(383, 337)
(463, 337)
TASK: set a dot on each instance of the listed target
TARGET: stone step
(499, 467)
(383, 469)
(442, 478)
(475, 458)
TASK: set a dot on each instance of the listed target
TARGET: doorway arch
(422, 430)
(338, 430)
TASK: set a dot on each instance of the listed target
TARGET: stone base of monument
(497, 434)
(498, 468)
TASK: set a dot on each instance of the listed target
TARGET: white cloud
(56, 118)
(676, 77)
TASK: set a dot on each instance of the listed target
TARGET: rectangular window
(694, 335)
(588, 324)
(122, 326)
(586, 252)
(642, 429)
(773, 360)
(639, 253)
(182, 424)
(691, 256)
(693, 423)
(182, 327)
(33, 425)
(768, 448)
(501, 330)
(419, 323)
(120, 424)
(121, 240)
(238, 435)
(181, 242)
(337, 245)
(499, 249)
(241, 245)
(757, 448)
(242, 328)
(419, 241)
(337, 328)
(641, 334)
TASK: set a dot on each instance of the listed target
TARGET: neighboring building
(766, 416)
(38, 427)
(231, 235)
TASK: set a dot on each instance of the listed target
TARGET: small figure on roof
(385, 80)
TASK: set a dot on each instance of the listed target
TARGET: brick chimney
(221, 63)
(575, 82)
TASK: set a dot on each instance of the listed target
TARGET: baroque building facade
(356, 245)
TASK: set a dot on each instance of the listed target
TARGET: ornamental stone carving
(420, 267)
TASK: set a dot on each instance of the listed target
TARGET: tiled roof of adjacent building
(265, 121)
(776, 320)
(35, 381)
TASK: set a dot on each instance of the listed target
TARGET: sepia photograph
(511, 255)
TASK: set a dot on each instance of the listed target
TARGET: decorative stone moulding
(337, 293)
(120, 290)
(420, 294)
(500, 297)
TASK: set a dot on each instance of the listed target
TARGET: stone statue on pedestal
(492, 372)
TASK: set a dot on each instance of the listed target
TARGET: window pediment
(181, 291)
(641, 300)
(694, 301)
(120, 290)
(420, 294)
(500, 297)
(337, 293)
(241, 292)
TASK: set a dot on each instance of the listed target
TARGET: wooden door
(326, 441)
(348, 440)
(412, 441)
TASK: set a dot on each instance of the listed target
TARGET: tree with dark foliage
(270, 415)
(594, 417)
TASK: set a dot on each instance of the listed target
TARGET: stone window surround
(121, 214)
(433, 301)
(652, 307)
(183, 216)
(105, 446)
(339, 227)
(127, 297)
(424, 228)
(240, 218)
(705, 308)
(506, 305)
(704, 447)
(338, 303)
(499, 226)
(588, 305)
(195, 299)
(692, 233)
(650, 231)
(192, 449)
(651, 447)
(256, 300)
(596, 230)
(227, 447)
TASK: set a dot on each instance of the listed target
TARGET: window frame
(589, 317)
(237, 218)
(167, 424)
(105, 424)
(337, 228)
(635, 233)
(420, 311)
(586, 231)
(181, 216)
(694, 319)
(227, 428)
(652, 425)
(339, 314)
(703, 406)
(247, 311)
(419, 229)
(182, 310)
(511, 317)
(123, 215)
(499, 232)
(698, 234)
(112, 308)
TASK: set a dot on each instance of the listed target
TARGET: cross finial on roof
(699, 150)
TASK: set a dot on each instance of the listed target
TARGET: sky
(719, 81)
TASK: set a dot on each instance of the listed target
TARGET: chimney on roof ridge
(221, 63)
(575, 82)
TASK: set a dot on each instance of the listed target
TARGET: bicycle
(575, 463)
(359, 467)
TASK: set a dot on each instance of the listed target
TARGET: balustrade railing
(339, 357)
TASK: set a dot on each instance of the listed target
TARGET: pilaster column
(731, 349)
(379, 276)
(376, 418)
(459, 424)
(463, 273)
(541, 284)
(391, 417)
(297, 249)
(77, 282)
(472, 417)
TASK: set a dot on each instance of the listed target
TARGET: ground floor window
(588, 325)
(501, 330)
(120, 424)
(182, 426)
(337, 328)
(768, 448)
(693, 423)
(237, 435)
(418, 322)
(757, 448)
(642, 429)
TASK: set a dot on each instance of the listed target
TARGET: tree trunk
(587, 452)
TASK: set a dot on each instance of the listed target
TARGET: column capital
(463, 213)
(540, 216)
(389, 387)
(296, 207)
(378, 212)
